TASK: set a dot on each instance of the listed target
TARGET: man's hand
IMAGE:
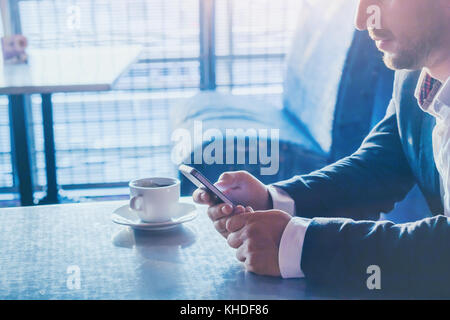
(241, 187)
(257, 236)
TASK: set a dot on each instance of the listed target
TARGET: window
(104, 139)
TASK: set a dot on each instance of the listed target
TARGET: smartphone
(202, 182)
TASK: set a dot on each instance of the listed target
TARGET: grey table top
(74, 69)
(42, 247)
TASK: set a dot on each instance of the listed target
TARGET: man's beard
(414, 53)
(411, 55)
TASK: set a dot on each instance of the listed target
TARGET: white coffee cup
(155, 199)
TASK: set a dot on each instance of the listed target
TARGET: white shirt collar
(439, 106)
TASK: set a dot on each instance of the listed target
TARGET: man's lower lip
(385, 45)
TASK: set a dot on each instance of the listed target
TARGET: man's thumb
(226, 181)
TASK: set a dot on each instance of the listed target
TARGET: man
(289, 229)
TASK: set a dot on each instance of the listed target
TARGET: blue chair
(336, 88)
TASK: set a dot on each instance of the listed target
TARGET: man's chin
(390, 61)
(402, 58)
(400, 62)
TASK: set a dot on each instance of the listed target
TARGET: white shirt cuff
(281, 200)
(291, 247)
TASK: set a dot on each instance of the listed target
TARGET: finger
(225, 180)
(241, 253)
(249, 209)
(249, 265)
(196, 195)
(221, 225)
(238, 209)
(237, 222)
(234, 240)
(230, 180)
(219, 211)
(225, 234)
(202, 197)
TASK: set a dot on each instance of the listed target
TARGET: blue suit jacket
(413, 257)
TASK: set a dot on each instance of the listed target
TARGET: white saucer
(128, 217)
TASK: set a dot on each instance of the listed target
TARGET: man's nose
(361, 14)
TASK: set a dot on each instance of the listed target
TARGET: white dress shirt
(291, 245)
(438, 105)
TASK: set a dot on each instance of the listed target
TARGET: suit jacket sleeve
(360, 186)
(413, 258)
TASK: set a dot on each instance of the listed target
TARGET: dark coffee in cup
(152, 184)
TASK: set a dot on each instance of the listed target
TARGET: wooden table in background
(50, 71)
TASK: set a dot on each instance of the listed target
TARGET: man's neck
(440, 69)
